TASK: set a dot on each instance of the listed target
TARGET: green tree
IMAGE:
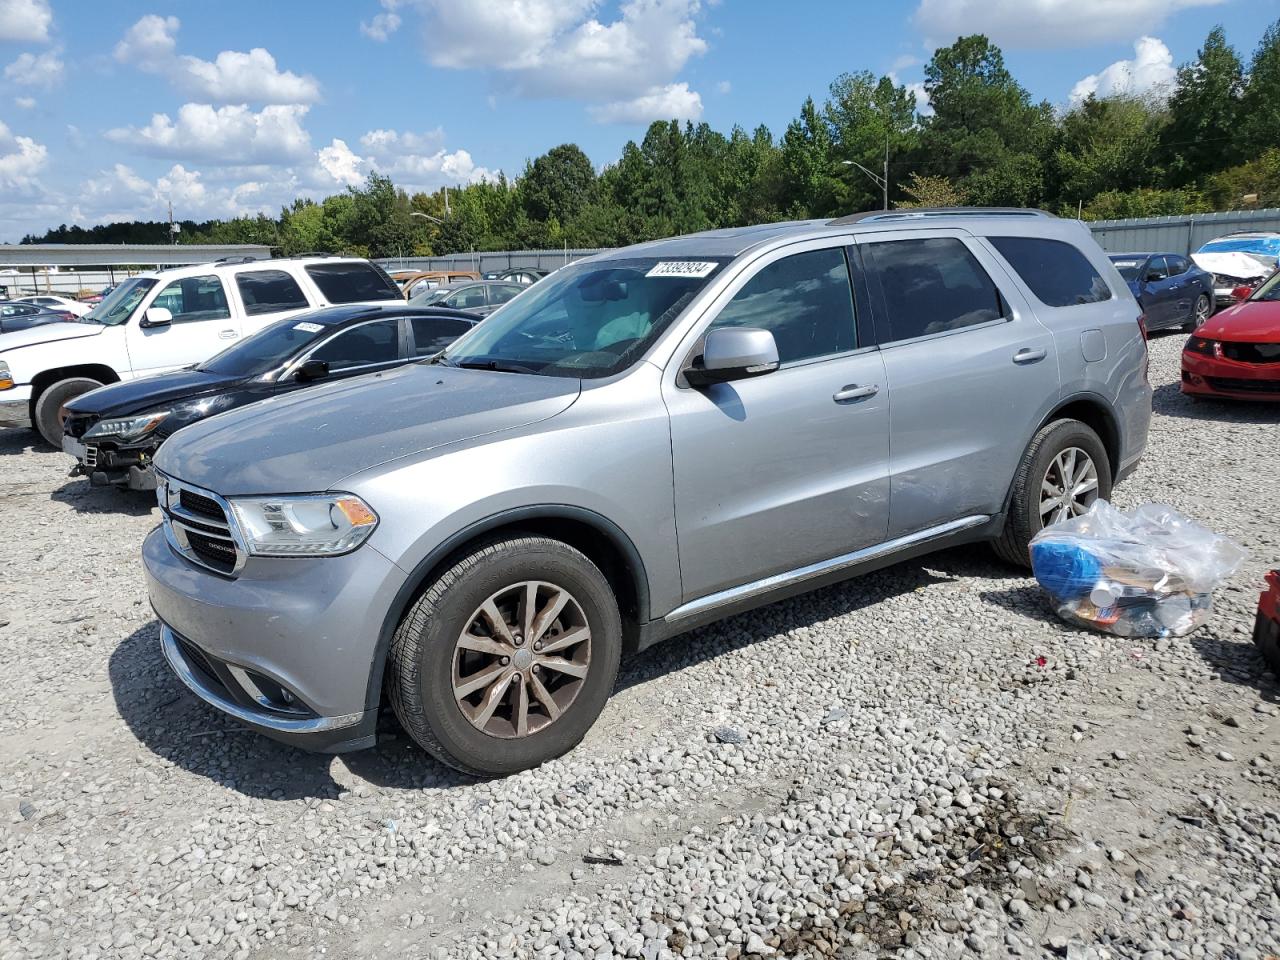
(1102, 144)
(985, 132)
(1259, 178)
(1201, 136)
(1143, 202)
(1259, 120)
(557, 184)
(808, 161)
(923, 191)
(870, 120)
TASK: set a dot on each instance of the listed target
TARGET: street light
(426, 216)
(881, 182)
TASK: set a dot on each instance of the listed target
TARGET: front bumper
(15, 411)
(1204, 376)
(306, 627)
(111, 465)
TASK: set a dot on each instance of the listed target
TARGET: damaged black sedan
(114, 431)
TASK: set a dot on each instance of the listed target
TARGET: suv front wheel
(508, 657)
(51, 405)
(1064, 470)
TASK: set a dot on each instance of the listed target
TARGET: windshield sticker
(687, 269)
(309, 327)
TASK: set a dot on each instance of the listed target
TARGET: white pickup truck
(158, 322)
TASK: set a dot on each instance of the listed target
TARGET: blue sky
(109, 110)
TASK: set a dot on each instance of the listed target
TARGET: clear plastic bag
(1146, 572)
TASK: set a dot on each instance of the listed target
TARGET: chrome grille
(200, 526)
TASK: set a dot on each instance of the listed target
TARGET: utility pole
(173, 238)
(885, 180)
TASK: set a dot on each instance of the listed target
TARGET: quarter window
(433, 334)
(1055, 271)
(804, 300)
(376, 342)
(269, 291)
(193, 299)
(353, 282)
(931, 286)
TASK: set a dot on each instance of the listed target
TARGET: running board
(779, 580)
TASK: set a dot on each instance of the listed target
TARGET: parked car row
(1236, 355)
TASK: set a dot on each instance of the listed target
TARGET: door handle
(1028, 355)
(226, 334)
(854, 392)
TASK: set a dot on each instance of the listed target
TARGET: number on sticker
(690, 269)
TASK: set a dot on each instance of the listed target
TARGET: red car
(1236, 353)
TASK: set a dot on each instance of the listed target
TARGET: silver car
(646, 441)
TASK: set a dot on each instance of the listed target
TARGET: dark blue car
(1172, 291)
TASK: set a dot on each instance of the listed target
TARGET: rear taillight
(1146, 354)
(1142, 325)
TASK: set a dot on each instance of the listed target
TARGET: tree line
(1212, 142)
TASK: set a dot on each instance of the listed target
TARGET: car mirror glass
(312, 370)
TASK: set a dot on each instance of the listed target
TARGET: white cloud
(122, 194)
(231, 77)
(224, 135)
(1045, 23)
(418, 161)
(724, 86)
(923, 106)
(31, 70)
(27, 21)
(1151, 71)
(382, 26)
(26, 103)
(674, 101)
(903, 62)
(392, 142)
(559, 49)
(340, 164)
(21, 158)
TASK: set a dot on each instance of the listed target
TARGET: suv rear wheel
(49, 406)
(1064, 470)
(508, 657)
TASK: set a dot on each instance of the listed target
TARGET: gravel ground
(920, 763)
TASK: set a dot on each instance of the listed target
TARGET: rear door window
(502, 292)
(1156, 269)
(466, 298)
(375, 342)
(932, 285)
(433, 334)
(353, 282)
(193, 299)
(269, 291)
(1055, 271)
(1177, 265)
(805, 301)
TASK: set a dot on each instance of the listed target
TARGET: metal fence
(491, 261)
(1183, 234)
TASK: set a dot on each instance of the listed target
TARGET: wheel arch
(602, 541)
(46, 378)
(1094, 412)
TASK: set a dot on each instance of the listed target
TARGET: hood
(149, 393)
(48, 333)
(1254, 321)
(309, 440)
(1231, 264)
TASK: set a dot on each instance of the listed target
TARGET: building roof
(123, 254)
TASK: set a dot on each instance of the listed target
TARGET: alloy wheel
(521, 659)
(1203, 306)
(1069, 486)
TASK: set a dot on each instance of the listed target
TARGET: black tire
(420, 665)
(1024, 521)
(1191, 326)
(47, 417)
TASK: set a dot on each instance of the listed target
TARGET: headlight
(127, 428)
(1201, 345)
(303, 526)
(6, 378)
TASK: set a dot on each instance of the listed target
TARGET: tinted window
(1057, 273)
(1156, 269)
(193, 299)
(19, 309)
(466, 297)
(433, 334)
(804, 300)
(266, 349)
(1176, 265)
(931, 286)
(268, 291)
(376, 342)
(353, 282)
(1129, 267)
(502, 292)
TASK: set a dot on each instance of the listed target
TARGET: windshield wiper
(502, 366)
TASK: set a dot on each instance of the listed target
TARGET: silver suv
(643, 442)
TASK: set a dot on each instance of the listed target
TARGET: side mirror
(157, 317)
(312, 370)
(734, 353)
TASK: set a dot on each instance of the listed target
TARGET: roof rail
(237, 260)
(312, 253)
(920, 213)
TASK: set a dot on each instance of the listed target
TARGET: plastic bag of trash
(1146, 572)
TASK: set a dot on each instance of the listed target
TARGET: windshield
(590, 319)
(1270, 290)
(266, 349)
(426, 297)
(118, 306)
(1128, 268)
